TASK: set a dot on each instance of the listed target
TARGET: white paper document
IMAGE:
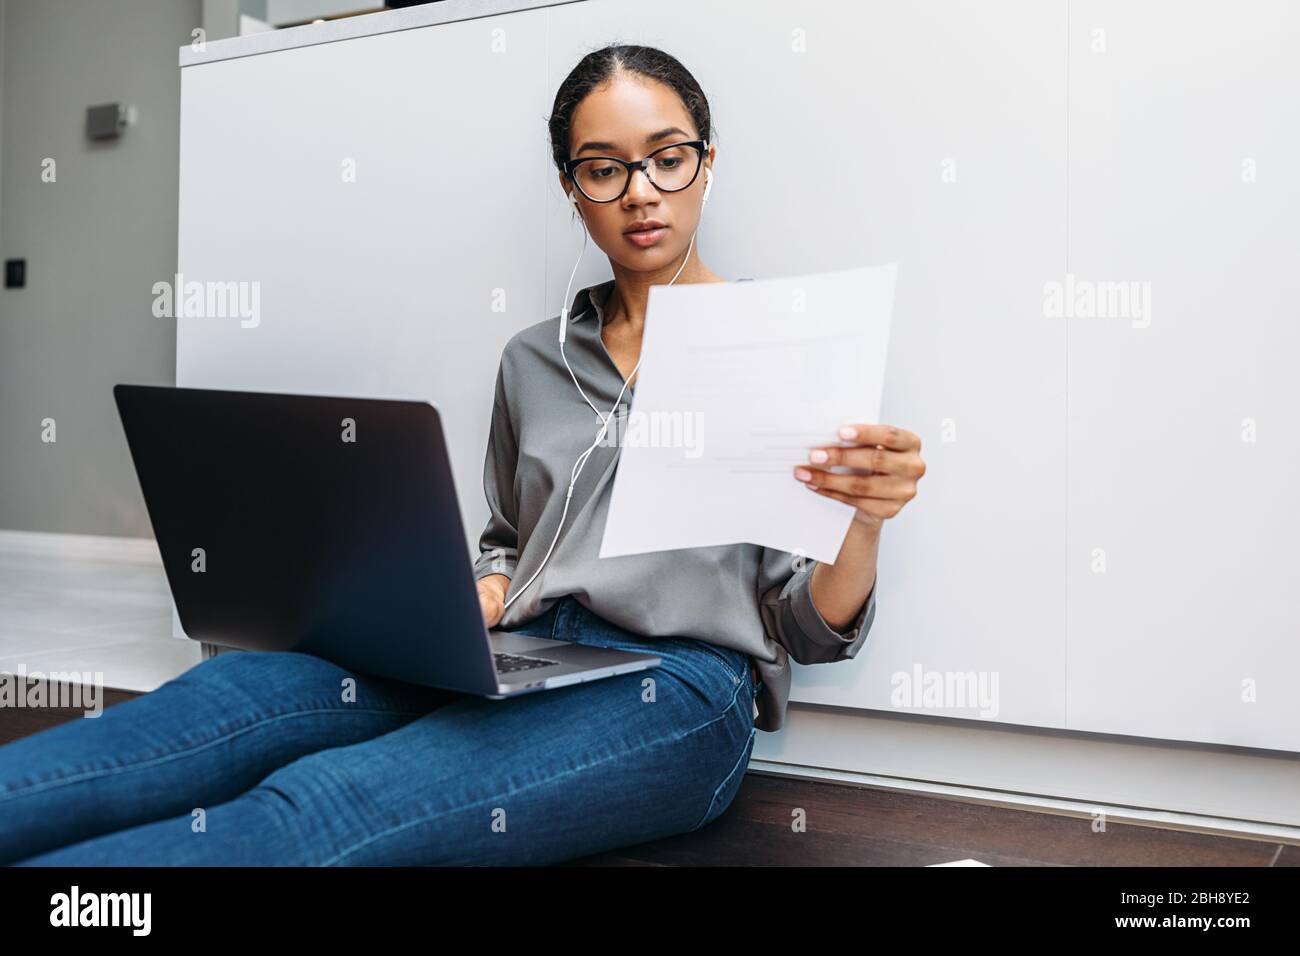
(738, 380)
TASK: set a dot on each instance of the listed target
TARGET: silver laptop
(330, 526)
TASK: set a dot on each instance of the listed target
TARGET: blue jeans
(256, 758)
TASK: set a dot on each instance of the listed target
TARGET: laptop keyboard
(510, 663)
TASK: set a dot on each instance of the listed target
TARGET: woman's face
(630, 117)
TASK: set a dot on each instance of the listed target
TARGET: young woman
(260, 758)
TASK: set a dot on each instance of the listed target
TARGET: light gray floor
(83, 615)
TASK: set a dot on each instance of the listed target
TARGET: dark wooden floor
(851, 825)
(16, 722)
(848, 825)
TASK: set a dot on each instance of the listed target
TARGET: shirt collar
(590, 302)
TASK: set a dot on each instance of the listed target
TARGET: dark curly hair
(601, 65)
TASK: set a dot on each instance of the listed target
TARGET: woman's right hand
(492, 597)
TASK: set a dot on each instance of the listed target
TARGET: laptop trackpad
(509, 643)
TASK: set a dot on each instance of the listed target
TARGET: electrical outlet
(15, 273)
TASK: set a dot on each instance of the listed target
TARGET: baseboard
(1141, 816)
(90, 547)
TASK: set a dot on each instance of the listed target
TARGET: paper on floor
(737, 381)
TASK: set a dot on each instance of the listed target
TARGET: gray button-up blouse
(743, 596)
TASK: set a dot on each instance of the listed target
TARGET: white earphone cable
(605, 419)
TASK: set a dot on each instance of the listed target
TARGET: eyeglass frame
(631, 166)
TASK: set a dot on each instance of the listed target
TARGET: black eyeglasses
(670, 169)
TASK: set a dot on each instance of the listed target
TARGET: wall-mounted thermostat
(107, 121)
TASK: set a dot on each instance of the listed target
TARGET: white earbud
(708, 183)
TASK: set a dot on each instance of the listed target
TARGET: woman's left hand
(889, 461)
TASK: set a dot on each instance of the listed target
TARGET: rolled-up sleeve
(792, 620)
(499, 542)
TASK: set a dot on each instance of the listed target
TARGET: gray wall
(2, 127)
(221, 18)
(295, 11)
(96, 241)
